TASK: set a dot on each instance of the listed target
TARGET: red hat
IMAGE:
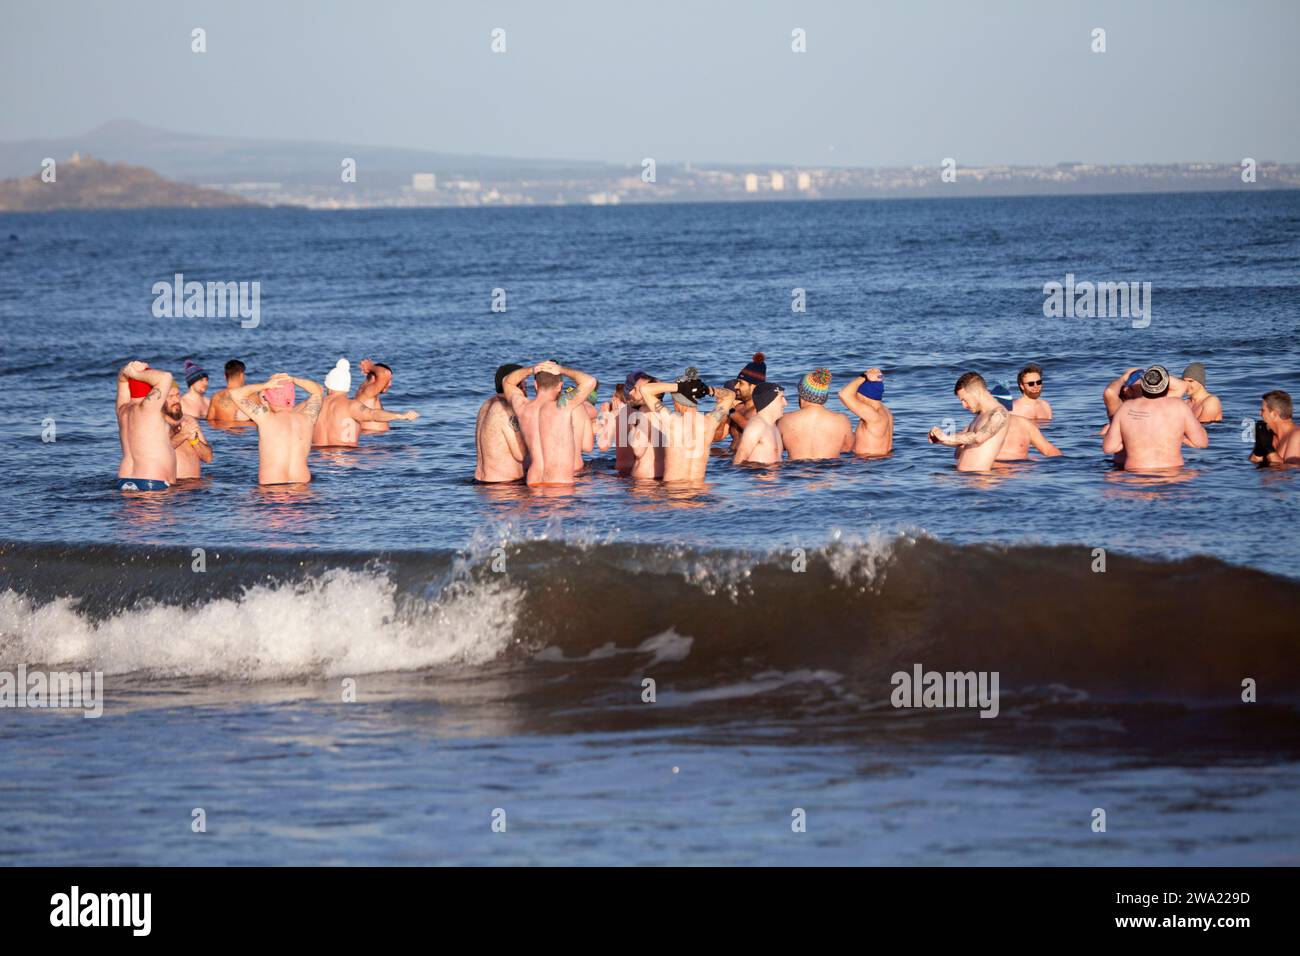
(139, 389)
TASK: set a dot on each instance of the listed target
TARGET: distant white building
(424, 182)
(778, 182)
(805, 182)
(751, 182)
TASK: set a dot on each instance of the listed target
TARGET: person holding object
(978, 446)
(1278, 443)
(192, 449)
(1147, 433)
(689, 432)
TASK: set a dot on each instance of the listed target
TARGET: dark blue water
(238, 671)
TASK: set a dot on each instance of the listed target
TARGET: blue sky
(890, 83)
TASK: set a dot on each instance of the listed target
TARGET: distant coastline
(83, 182)
(195, 171)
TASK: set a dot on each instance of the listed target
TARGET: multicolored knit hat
(816, 386)
(756, 371)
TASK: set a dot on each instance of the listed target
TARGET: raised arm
(650, 392)
(510, 386)
(128, 371)
(1110, 395)
(585, 384)
(726, 400)
(243, 396)
(1113, 443)
(372, 387)
(859, 404)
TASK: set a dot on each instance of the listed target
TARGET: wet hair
(1031, 368)
(620, 391)
(371, 376)
(1279, 403)
(234, 367)
(547, 380)
(969, 379)
(502, 372)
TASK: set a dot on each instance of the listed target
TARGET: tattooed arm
(315, 396)
(243, 397)
(726, 399)
(998, 419)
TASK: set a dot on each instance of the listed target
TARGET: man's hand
(366, 366)
(547, 366)
(133, 369)
(189, 428)
(409, 416)
(939, 437)
(279, 378)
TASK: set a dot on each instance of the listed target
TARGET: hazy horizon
(897, 85)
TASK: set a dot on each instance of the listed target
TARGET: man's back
(336, 426)
(283, 443)
(498, 442)
(686, 455)
(1151, 431)
(146, 442)
(222, 409)
(547, 428)
(875, 436)
(815, 432)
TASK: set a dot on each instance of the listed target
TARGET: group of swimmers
(163, 442)
(541, 439)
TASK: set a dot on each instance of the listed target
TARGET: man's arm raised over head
(1110, 395)
(311, 405)
(510, 386)
(243, 396)
(585, 384)
(865, 408)
(372, 387)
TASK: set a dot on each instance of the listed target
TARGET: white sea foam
(342, 623)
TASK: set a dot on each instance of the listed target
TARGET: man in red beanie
(148, 462)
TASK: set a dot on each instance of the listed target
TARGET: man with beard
(192, 449)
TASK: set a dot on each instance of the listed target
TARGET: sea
(395, 665)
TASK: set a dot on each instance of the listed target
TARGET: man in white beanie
(341, 417)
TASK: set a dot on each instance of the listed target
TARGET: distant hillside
(82, 182)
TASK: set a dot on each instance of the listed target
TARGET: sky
(880, 83)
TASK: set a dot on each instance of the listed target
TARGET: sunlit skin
(378, 380)
(1206, 407)
(1022, 434)
(1286, 437)
(874, 435)
(1031, 403)
(191, 447)
(142, 426)
(223, 410)
(1148, 433)
(498, 443)
(283, 434)
(981, 441)
(688, 433)
(340, 420)
(195, 401)
(546, 421)
(761, 442)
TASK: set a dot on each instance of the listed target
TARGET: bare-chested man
(639, 445)
(864, 397)
(814, 431)
(283, 429)
(979, 444)
(689, 433)
(1147, 433)
(546, 421)
(192, 449)
(148, 462)
(378, 380)
(497, 439)
(1031, 403)
(223, 410)
(340, 419)
(1276, 411)
(754, 373)
(1205, 406)
(1129, 386)
(760, 443)
(195, 401)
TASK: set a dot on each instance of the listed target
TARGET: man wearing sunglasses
(1031, 403)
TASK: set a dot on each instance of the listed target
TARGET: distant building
(778, 182)
(751, 182)
(424, 182)
(805, 182)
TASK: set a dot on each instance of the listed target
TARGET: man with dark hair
(979, 444)
(223, 410)
(753, 374)
(546, 421)
(497, 441)
(639, 445)
(191, 447)
(1284, 449)
(378, 380)
(1031, 403)
(1147, 433)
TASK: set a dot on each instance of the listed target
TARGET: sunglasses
(1034, 384)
